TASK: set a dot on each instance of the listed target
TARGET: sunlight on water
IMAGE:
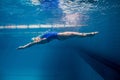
(66, 12)
(52, 13)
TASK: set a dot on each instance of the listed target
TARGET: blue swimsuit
(50, 36)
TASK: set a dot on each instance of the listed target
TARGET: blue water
(90, 58)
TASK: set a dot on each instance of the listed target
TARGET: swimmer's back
(50, 35)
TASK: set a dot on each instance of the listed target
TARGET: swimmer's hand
(27, 45)
(21, 47)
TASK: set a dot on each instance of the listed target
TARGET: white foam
(68, 6)
(35, 2)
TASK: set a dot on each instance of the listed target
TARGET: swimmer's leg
(66, 35)
(85, 34)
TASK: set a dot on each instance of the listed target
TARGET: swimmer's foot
(92, 33)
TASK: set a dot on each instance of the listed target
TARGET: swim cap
(33, 39)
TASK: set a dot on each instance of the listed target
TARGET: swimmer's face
(36, 39)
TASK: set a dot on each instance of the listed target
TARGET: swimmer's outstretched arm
(42, 41)
(27, 45)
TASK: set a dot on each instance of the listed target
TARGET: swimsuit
(50, 36)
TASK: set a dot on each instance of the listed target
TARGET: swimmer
(47, 37)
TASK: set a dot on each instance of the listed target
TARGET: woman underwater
(47, 37)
